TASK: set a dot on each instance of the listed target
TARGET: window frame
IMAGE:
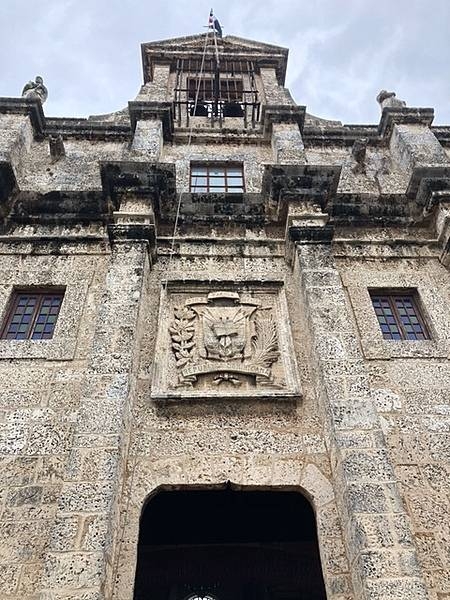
(12, 306)
(218, 189)
(390, 295)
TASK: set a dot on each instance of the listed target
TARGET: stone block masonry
(217, 340)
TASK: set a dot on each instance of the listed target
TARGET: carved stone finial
(389, 100)
(35, 89)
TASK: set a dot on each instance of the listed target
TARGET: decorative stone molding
(403, 116)
(282, 114)
(224, 342)
(153, 110)
(26, 106)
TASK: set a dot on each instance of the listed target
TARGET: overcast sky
(342, 52)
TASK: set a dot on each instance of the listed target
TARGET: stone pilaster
(417, 151)
(377, 534)
(287, 144)
(274, 92)
(80, 551)
(148, 139)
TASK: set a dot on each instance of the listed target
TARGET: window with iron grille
(399, 316)
(217, 178)
(32, 314)
(229, 89)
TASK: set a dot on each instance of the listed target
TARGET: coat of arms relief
(224, 343)
(225, 336)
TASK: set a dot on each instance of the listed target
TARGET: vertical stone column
(274, 92)
(376, 529)
(148, 139)
(283, 120)
(287, 144)
(80, 551)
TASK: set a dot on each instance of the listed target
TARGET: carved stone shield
(227, 339)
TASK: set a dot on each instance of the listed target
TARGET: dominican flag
(214, 23)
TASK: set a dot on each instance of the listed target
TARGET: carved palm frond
(182, 332)
(265, 343)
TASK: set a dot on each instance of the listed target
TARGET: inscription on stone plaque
(224, 342)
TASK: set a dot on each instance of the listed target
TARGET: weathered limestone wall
(253, 158)
(249, 442)
(83, 444)
(41, 385)
(376, 528)
(66, 421)
(411, 387)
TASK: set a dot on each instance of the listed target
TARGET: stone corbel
(26, 106)
(306, 223)
(133, 190)
(442, 225)
(427, 185)
(302, 194)
(7, 183)
(134, 221)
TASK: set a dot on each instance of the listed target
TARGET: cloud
(342, 52)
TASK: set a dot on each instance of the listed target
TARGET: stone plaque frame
(224, 340)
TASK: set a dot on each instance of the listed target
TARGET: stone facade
(119, 403)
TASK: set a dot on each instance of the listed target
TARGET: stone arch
(228, 541)
(309, 481)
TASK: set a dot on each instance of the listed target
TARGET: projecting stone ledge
(162, 111)
(403, 116)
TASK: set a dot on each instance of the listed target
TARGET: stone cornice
(26, 106)
(88, 129)
(105, 130)
(153, 110)
(282, 114)
(167, 52)
(318, 182)
(403, 116)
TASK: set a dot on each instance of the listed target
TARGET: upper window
(32, 315)
(399, 316)
(230, 90)
(217, 178)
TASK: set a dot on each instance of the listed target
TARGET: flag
(214, 23)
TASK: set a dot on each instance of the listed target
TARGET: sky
(341, 52)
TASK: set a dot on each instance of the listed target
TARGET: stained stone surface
(237, 344)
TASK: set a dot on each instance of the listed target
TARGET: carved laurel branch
(265, 343)
(182, 332)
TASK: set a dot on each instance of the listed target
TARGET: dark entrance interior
(228, 545)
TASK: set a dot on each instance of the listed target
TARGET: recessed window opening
(230, 89)
(399, 315)
(227, 179)
(228, 545)
(32, 314)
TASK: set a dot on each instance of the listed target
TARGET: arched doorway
(226, 544)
